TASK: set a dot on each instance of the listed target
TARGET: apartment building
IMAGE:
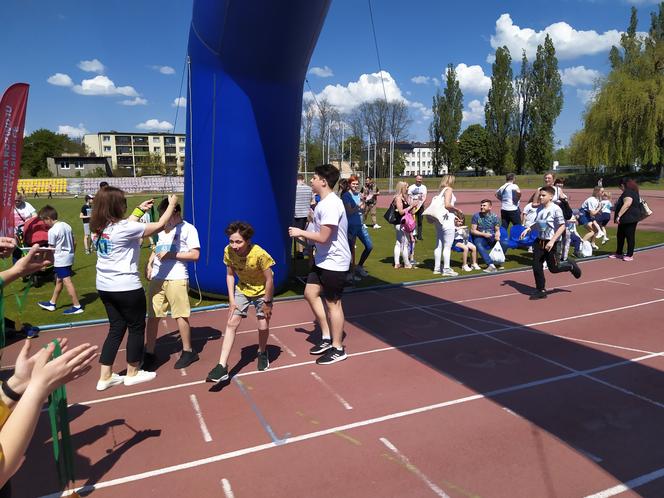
(418, 157)
(129, 150)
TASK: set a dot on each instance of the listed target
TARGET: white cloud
(425, 80)
(321, 72)
(475, 112)
(472, 79)
(93, 66)
(569, 42)
(60, 79)
(586, 96)
(579, 76)
(179, 102)
(102, 85)
(155, 125)
(134, 101)
(164, 69)
(72, 131)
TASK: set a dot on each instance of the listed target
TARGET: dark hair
(103, 184)
(110, 207)
(163, 206)
(48, 212)
(488, 201)
(344, 185)
(548, 189)
(559, 181)
(245, 230)
(510, 177)
(88, 197)
(629, 183)
(329, 173)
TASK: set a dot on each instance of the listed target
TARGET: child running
(255, 286)
(61, 238)
(461, 241)
(550, 225)
(332, 261)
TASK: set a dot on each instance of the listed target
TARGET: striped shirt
(302, 200)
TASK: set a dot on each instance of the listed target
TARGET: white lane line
(629, 485)
(333, 430)
(201, 420)
(226, 486)
(372, 351)
(343, 402)
(610, 281)
(404, 460)
(288, 350)
(661, 290)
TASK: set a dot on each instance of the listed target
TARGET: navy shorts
(63, 272)
(585, 218)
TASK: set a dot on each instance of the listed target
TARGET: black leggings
(626, 231)
(540, 255)
(125, 310)
(507, 217)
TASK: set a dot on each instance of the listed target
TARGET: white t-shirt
(529, 211)
(507, 193)
(606, 206)
(590, 204)
(335, 253)
(417, 194)
(449, 219)
(118, 253)
(548, 220)
(181, 238)
(22, 214)
(61, 237)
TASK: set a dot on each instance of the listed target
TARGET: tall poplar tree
(499, 112)
(522, 109)
(446, 125)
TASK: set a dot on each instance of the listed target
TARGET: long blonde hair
(399, 188)
(447, 181)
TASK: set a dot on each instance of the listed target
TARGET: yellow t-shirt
(249, 269)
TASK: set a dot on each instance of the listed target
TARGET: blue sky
(118, 64)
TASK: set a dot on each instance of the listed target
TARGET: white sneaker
(364, 225)
(466, 268)
(545, 266)
(377, 226)
(475, 266)
(594, 246)
(530, 249)
(141, 376)
(113, 380)
(449, 272)
(490, 269)
(436, 272)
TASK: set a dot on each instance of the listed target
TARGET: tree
(451, 114)
(435, 134)
(474, 148)
(41, 144)
(546, 104)
(399, 162)
(153, 164)
(499, 112)
(524, 90)
(562, 155)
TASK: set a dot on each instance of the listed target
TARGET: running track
(461, 388)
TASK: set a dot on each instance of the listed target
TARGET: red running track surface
(459, 388)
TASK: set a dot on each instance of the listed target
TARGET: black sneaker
(149, 362)
(186, 359)
(576, 271)
(539, 294)
(332, 355)
(263, 361)
(218, 373)
(321, 347)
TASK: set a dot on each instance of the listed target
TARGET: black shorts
(300, 223)
(331, 281)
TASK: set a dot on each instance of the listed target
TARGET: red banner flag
(12, 121)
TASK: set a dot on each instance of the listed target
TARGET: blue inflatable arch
(247, 63)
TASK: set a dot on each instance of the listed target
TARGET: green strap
(153, 218)
(62, 447)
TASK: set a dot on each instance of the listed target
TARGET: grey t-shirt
(547, 220)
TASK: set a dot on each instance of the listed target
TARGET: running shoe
(186, 359)
(263, 361)
(615, 256)
(539, 294)
(436, 272)
(576, 271)
(594, 246)
(321, 347)
(113, 380)
(46, 305)
(74, 310)
(140, 377)
(490, 269)
(361, 271)
(449, 272)
(475, 266)
(377, 226)
(466, 268)
(218, 373)
(628, 258)
(332, 355)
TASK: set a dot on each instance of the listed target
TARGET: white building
(126, 150)
(418, 157)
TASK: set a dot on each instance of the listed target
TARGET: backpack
(35, 231)
(408, 223)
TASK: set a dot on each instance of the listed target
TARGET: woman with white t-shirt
(445, 231)
(118, 243)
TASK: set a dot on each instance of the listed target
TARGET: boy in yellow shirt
(255, 286)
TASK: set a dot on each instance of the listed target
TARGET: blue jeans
(360, 232)
(484, 247)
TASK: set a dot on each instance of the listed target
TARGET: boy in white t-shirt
(61, 238)
(167, 272)
(550, 225)
(332, 261)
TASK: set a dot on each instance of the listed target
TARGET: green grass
(379, 266)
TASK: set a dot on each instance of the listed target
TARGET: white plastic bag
(497, 255)
(586, 249)
(436, 212)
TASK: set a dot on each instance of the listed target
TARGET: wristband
(10, 393)
(138, 212)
